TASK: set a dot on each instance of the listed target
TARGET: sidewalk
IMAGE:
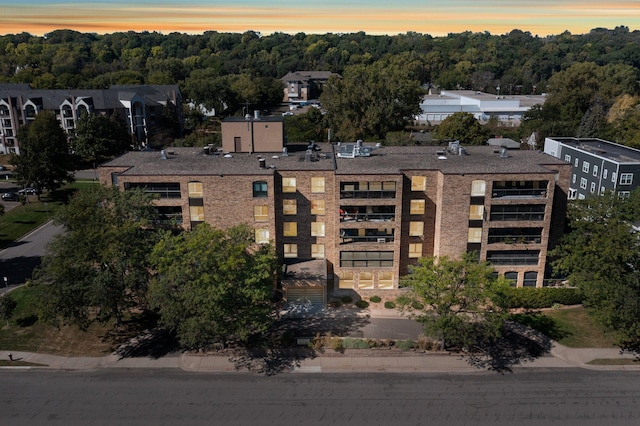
(330, 362)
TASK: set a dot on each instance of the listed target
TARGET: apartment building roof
(386, 160)
(601, 148)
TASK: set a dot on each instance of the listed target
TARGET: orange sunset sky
(437, 18)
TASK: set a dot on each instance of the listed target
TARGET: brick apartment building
(367, 212)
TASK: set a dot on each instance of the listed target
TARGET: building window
(262, 236)
(290, 250)
(593, 187)
(114, 179)
(475, 235)
(385, 280)
(624, 194)
(289, 207)
(567, 158)
(572, 193)
(365, 280)
(604, 173)
(317, 229)
(196, 213)
(288, 184)
(416, 229)
(614, 175)
(603, 190)
(366, 259)
(513, 257)
(417, 206)
(530, 279)
(418, 183)
(626, 178)
(476, 212)
(595, 170)
(346, 279)
(585, 166)
(317, 185)
(583, 183)
(260, 213)
(575, 162)
(195, 189)
(580, 196)
(573, 178)
(317, 207)
(512, 277)
(317, 251)
(290, 229)
(259, 189)
(478, 188)
(415, 250)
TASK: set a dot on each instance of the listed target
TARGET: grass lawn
(26, 333)
(570, 327)
(24, 218)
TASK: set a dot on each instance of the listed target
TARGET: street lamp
(6, 284)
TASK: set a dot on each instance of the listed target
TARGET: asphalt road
(18, 260)
(527, 397)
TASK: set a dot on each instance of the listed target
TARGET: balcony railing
(379, 239)
(519, 193)
(367, 217)
(367, 194)
(515, 239)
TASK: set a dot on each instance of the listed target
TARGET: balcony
(378, 236)
(519, 189)
(366, 190)
(367, 213)
(515, 236)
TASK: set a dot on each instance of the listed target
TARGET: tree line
(590, 79)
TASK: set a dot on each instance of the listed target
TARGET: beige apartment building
(367, 212)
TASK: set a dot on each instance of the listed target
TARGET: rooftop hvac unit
(382, 240)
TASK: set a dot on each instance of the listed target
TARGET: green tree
(99, 136)
(460, 300)
(44, 159)
(462, 126)
(370, 101)
(601, 256)
(97, 268)
(7, 307)
(213, 286)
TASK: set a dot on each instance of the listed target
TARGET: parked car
(10, 196)
(28, 191)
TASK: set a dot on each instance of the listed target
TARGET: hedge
(538, 298)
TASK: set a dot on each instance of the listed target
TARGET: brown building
(300, 86)
(369, 212)
(253, 133)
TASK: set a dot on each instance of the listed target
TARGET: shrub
(537, 298)
(389, 304)
(351, 343)
(405, 345)
(346, 299)
(417, 305)
(335, 303)
(375, 299)
(362, 304)
(336, 344)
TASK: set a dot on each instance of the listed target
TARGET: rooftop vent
(163, 155)
(503, 153)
